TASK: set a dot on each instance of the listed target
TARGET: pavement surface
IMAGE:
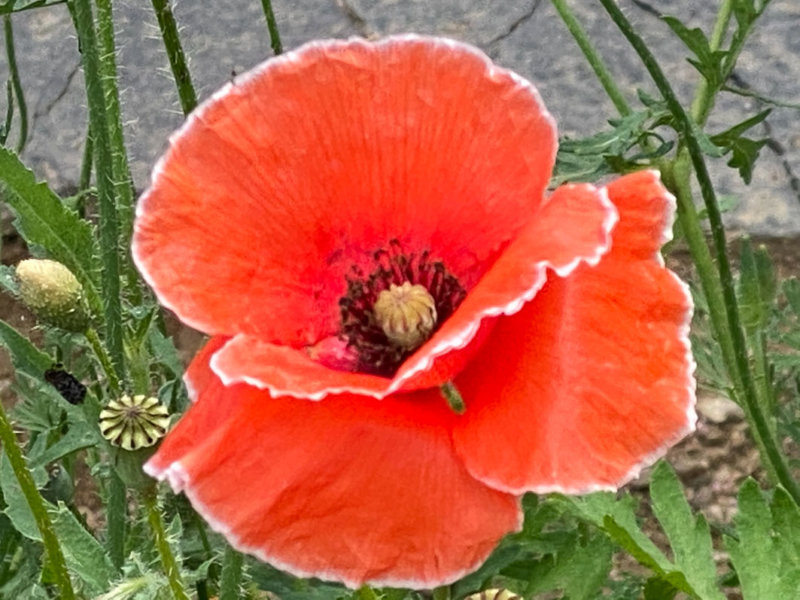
(230, 36)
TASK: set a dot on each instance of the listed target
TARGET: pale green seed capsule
(134, 422)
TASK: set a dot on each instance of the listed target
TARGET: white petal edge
(691, 388)
(179, 481)
(424, 359)
(492, 71)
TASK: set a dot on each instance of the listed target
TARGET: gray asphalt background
(227, 36)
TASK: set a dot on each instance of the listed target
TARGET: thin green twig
(177, 59)
(592, 57)
(35, 501)
(272, 26)
(13, 71)
(168, 561)
(761, 98)
(762, 432)
(104, 172)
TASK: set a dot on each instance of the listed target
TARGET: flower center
(406, 313)
(391, 312)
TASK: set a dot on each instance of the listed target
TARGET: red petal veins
(301, 169)
(349, 488)
(592, 379)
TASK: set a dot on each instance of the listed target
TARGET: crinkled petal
(572, 227)
(350, 488)
(291, 175)
(592, 379)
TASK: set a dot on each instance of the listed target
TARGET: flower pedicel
(364, 230)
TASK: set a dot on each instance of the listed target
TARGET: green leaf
(27, 358)
(763, 556)
(78, 437)
(84, 555)
(43, 220)
(757, 287)
(688, 536)
(17, 509)
(580, 571)
(708, 63)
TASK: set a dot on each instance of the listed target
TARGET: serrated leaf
(757, 287)
(83, 554)
(42, 219)
(756, 555)
(581, 571)
(27, 358)
(688, 536)
(708, 63)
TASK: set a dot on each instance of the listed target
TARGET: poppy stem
(16, 83)
(453, 397)
(177, 58)
(123, 182)
(171, 569)
(55, 556)
(104, 175)
(272, 26)
(105, 360)
(762, 432)
(592, 57)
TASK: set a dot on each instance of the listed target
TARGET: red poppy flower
(363, 227)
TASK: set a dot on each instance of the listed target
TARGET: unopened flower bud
(53, 293)
(134, 422)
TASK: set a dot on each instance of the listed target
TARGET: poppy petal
(572, 227)
(292, 175)
(198, 376)
(349, 488)
(592, 379)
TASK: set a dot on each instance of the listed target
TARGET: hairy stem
(105, 360)
(168, 561)
(104, 172)
(123, 182)
(177, 59)
(762, 432)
